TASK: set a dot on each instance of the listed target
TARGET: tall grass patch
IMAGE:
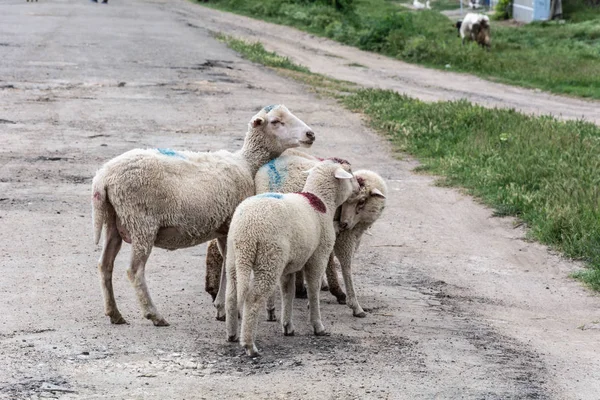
(544, 171)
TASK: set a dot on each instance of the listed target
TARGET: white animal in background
(475, 27)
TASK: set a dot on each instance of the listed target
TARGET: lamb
(274, 235)
(284, 175)
(176, 199)
(269, 178)
(475, 27)
(358, 214)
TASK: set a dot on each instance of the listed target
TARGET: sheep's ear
(341, 173)
(257, 122)
(377, 193)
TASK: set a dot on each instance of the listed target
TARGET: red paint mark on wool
(315, 201)
(338, 160)
(361, 181)
(97, 196)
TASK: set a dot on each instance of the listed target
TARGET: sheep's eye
(276, 121)
(361, 204)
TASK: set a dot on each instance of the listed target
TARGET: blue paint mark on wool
(170, 153)
(269, 108)
(276, 177)
(269, 195)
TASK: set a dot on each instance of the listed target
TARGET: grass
(560, 58)
(544, 171)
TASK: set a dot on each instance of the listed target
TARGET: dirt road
(462, 306)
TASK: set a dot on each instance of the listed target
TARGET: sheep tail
(243, 266)
(99, 206)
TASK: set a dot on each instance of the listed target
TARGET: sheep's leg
(300, 288)
(214, 264)
(313, 275)
(288, 289)
(324, 284)
(271, 308)
(344, 254)
(332, 279)
(140, 251)
(219, 302)
(252, 306)
(231, 306)
(112, 245)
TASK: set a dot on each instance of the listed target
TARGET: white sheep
(475, 27)
(271, 237)
(172, 200)
(285, 175)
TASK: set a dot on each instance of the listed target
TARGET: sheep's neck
(327, 194)
(256, 154)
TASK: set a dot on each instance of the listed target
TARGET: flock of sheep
(275, 216)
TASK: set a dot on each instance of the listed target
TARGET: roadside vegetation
(557, 57)
(541, 170)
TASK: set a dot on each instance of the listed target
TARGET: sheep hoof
(361, 314)
(117, 320)
(220, 317)
(288, 330)
(322, 333)
(160, 322)
(325, 288)
(271, 315)
(252, 351)
(233, 338)
(341, 298)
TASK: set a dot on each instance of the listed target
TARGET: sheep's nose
(343, 225)
(310, 135)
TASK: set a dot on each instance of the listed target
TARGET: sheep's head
(457, 25)
(367, 205)
(283, 128)
(333, 175)
(482, 34)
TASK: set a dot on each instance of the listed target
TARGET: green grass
(544, 171)
(560, 58)
(256, 52)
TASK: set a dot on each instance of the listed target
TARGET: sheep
(274, 235)
(475, 27)
(284, 175)
(176, 199)
(417, 5)
(358, 214)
